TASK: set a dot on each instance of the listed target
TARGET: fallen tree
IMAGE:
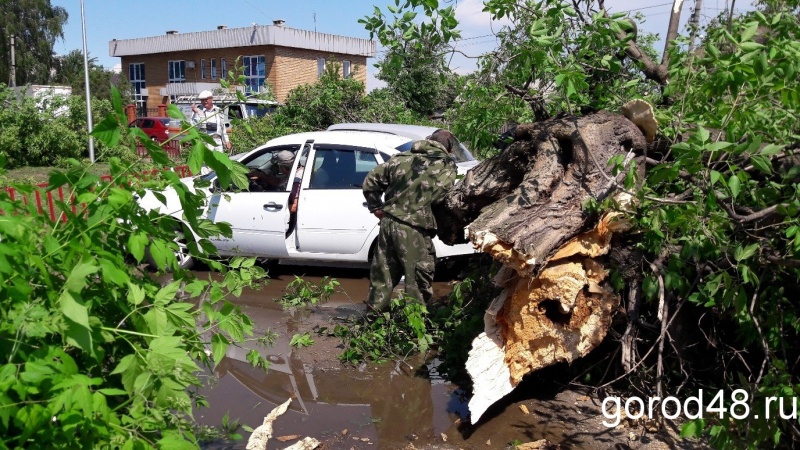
(527, 208)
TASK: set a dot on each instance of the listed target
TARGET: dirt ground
(563, 419)
(396, 404)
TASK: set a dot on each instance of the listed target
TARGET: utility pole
(694, 22)
(13, 75)
(86, 81)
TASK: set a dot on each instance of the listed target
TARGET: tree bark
(525, 207)
(530, 196)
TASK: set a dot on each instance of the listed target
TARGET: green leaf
(702, 134)
(74, 310)
(113, 274)
(762, 163)
(771, 149)
(692, 428)
(749, 32)
(219, 345)
(195, 160)
(741, 254)
(167, 293)
(734, 185)
(76, 280)
(108, 131)
(716, 146)
(77, 317)
(714, 177)
(136, 245)
(175, 441)
(135, 294)
(159, 252)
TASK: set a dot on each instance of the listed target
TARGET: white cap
(205, 94)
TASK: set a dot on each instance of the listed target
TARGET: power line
(646, 7)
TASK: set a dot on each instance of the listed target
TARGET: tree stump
(525, 208)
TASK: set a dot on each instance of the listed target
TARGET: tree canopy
(35, 25)
(712, 302)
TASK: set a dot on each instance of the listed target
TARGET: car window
(164, 121)
(460, 152)
(234, 112)
(263, 161)
(335, 168)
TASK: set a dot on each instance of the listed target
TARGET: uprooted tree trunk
(525, 207)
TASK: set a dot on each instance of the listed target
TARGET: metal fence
(55, 203)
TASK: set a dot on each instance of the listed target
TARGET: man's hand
(378, 213)
(228, 145)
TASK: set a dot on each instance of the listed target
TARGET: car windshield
(460, 153)
(165, 121)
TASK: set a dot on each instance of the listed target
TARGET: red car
(155, 127)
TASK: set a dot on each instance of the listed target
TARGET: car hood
(463, 167)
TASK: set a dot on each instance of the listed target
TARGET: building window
(213, 68)
(255, 73)
(203, 69)
(320, 66)
(136, 77)
(177, 71)
(346, 69)
(223, 68)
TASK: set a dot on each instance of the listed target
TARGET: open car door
(332, 219)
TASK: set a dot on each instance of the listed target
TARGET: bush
(95, 351)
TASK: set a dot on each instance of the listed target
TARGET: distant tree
(68, 70)
(35, 24)
(420, 77)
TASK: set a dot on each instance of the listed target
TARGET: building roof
(256, 35)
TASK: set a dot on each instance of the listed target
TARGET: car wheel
(185, 259)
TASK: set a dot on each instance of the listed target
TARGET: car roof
(410, 131)
(362, 138)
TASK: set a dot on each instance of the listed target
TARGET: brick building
(274, 57)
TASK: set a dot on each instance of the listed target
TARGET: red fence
(173, 148)
(47, 201)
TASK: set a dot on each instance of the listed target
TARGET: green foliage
(300, 292)
(409, 327)
(68, 71)
(718, 212)
(332, 99)
(422, 80)
(397, 333)
(33, 137)
(737, 116)
(36, 26)
(301, 340)
(95, 352)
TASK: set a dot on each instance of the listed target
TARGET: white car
(332, 226)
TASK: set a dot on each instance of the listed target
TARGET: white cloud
(473, 21)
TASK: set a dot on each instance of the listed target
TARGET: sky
(112, 19)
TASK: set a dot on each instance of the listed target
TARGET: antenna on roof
(314, 15)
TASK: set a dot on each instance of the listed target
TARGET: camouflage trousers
(401, 250)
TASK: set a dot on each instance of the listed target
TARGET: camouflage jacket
(410, 183)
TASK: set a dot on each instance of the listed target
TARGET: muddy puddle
(383, 406)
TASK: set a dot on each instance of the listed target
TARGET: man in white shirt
(210, 119)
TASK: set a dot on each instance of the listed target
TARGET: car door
(332, 217)
(258, 216)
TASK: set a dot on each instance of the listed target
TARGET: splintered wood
(557, 316)
(526, 207)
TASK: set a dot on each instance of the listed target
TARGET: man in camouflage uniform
(410, 183)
